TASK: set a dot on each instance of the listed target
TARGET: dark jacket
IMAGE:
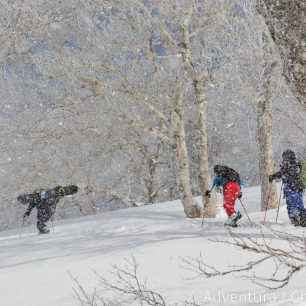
(227, 174)
(48, 197)
(36, 200)
(291, 174)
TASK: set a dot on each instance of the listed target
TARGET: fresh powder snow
(38, 270)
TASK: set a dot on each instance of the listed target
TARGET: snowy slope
(34, 270)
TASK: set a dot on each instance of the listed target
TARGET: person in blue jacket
(292, 176)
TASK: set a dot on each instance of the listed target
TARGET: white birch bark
(264, 117)
(199, 85)
(190, 208)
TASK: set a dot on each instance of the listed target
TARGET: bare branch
(292, 258)
(127, 285)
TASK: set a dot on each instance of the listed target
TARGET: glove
(240, 195)
(26, 214)
(271, 178)
(207, 193)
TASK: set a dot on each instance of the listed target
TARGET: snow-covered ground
(36, 270)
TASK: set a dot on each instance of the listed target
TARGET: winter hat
(289, 155)
(217, 169)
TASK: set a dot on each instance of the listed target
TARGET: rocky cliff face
(287, 22)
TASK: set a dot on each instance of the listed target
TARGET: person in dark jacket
(45, 201)
(229, 179)
(291, 174)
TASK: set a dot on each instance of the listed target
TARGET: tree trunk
(264, 121)
(199, 86)
(286, 22)
(204, 176)
(266, 158)
(190, 208)
(152, 185)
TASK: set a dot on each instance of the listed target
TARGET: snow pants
(231, 191)
(294, 201)
(44, 213)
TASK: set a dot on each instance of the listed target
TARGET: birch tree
(199, 84)
(198, 81)
(286, 22)
(130, 87)
(250, 62)
(266, 155)
(173, 104)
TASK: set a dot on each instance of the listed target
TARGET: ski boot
(302, 216)
(295, 221)
(299, 220)
(233, 218)
(45, 230)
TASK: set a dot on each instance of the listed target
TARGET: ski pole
(52, 223)
(279, 202)
(23, 219)
(245, 210)
(269, 194)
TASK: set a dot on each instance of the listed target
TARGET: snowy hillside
(35, 270)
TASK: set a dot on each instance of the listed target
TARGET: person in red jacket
(231, 182)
